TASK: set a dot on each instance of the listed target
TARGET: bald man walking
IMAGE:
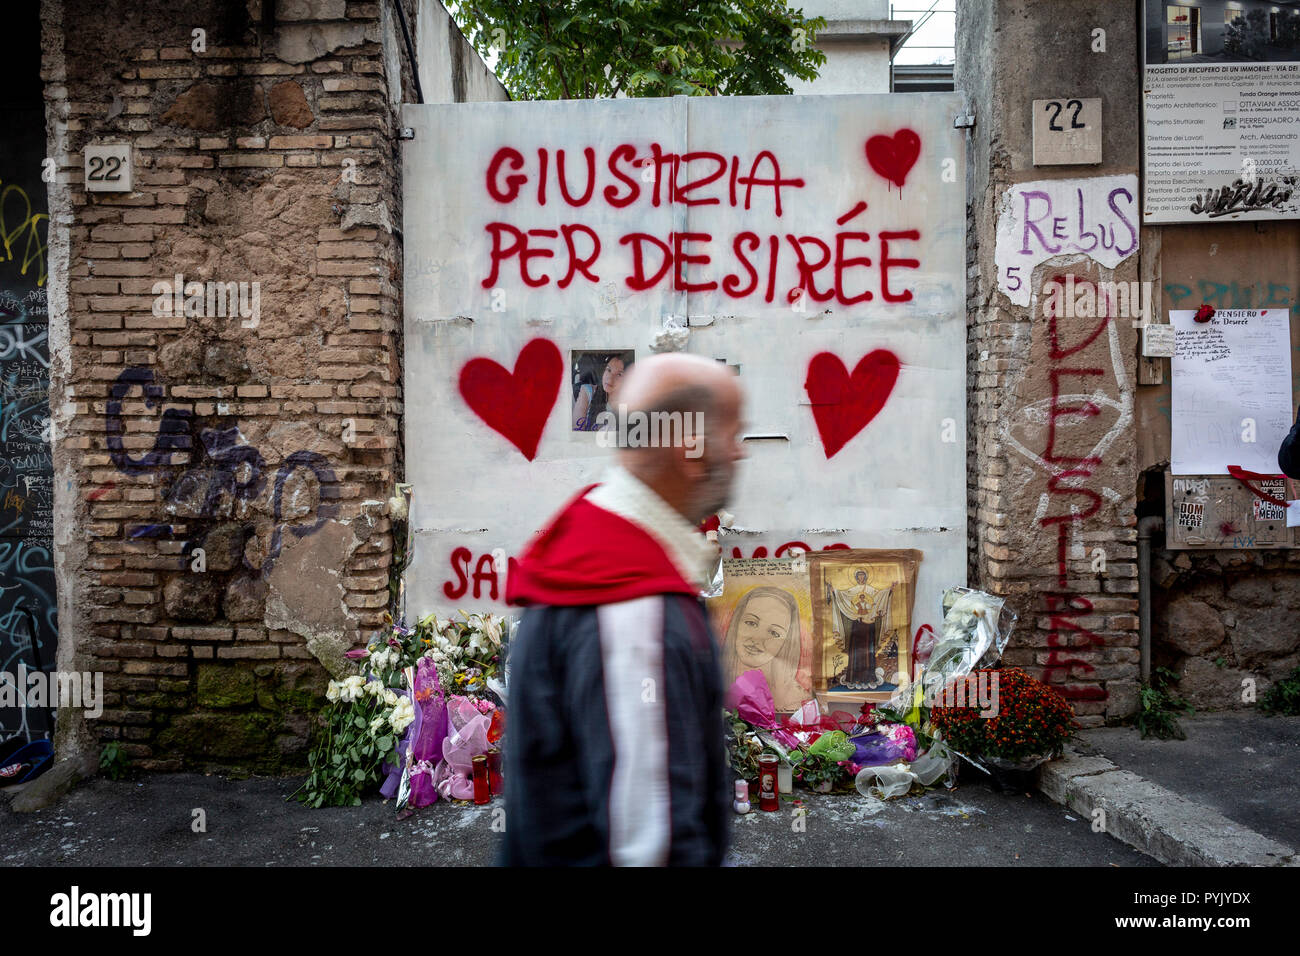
(615, 753)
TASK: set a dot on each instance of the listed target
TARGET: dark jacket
(614, 753)
(1288, 456)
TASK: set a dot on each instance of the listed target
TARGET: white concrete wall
(899, 482)
(449, 64)
(851, 67)
(858, 65)
(844, 9)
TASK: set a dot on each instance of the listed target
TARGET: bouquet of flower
(427, 735)
(363, 722)
(466, 652)
(1032, 723)
(368, 712)
(890, 743)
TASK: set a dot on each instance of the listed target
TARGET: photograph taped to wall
(763, 620)
(862, 615)
(597, 376)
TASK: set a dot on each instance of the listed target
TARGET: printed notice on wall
(1231, 390)
(1221, 98)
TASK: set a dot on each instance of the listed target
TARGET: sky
(933, 40)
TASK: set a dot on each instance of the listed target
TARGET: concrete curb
(1156, 821)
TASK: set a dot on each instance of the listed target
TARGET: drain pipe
(1146, 528)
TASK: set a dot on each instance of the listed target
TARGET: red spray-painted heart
(516, 404)
(894, 156)
(843, 404)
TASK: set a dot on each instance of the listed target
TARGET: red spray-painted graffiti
(893, 157)
(516, 404)
(843, 404)
(485, 575)
(1063, 605)
(709, 179)
(788, 550)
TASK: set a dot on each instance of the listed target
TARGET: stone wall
(1225, 618)
(265, 154)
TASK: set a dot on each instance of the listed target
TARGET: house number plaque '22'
(1067, 132)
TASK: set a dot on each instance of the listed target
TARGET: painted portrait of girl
(764, 634)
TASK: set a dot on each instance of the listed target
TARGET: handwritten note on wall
(1231, 390)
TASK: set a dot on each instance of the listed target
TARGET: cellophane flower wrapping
(833, 745)
(395, 780)
(431, 730)
(890, 744)
(467, 737)
(751, 698)
(975, 631)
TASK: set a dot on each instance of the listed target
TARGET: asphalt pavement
(196, 820)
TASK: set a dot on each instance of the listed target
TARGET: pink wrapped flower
(903, 735)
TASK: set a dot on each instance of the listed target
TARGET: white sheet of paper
(1293, 514)
(1231, 390)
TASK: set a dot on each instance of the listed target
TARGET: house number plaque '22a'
(1067, 132)
(108, 168)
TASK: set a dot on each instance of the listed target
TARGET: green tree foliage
(583, 49)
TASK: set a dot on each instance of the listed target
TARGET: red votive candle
(481, 786)
(768, 794)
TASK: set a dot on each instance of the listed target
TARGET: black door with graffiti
(27, 601)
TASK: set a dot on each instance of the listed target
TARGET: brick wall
(1078, 627)
(268, 158)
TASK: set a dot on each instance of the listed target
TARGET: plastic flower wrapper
(751, 698)
(430, 729)
(890, 744)
(884, 783)
(711, 527)
(976, 628)
(808, 723)
(934, 764)
(714, 584)
(833, 745)
(466, 738)
(395, 774)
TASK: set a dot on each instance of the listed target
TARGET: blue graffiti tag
(235, 473)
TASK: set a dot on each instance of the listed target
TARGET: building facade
(225, 373)
(1069, 423)
(204, 383)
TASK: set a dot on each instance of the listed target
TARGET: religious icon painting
(763, 619)
(862, 604)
